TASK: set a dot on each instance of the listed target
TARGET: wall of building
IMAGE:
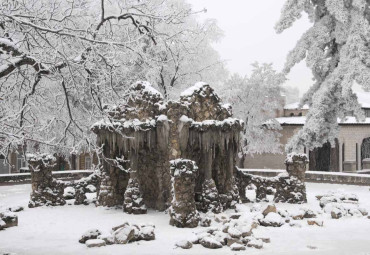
(270, 160)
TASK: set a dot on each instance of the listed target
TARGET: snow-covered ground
(56, 230)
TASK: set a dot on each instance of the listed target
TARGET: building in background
(350, 153)
(16, 163)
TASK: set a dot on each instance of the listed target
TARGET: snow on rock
(10, 219)
(194, 89)
(108, 238)
(184, 244)
(124, 234)
(69, 193)
(90, 234)
(319, 223)
(268, 209)
(210, 243)
(255, 243)
(272, 219)
(91, 188)
(95, 243)
(16, 208)
(237, 247)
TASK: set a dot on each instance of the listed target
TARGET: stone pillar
(296, 165)
(45, 190)
(358, 156)
(210, 200)
(183, 211)
(133, 199)
(340, 157)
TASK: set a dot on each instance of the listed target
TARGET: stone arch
(292, 114)
(325, 158)
(300, 114)
(365, 150)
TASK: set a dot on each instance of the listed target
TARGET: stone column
(358, 145)
(296, 165)
(210, 196)
(45, 190)
(133, 199)
(183, 211)
(340, 157)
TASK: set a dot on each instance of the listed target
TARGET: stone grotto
(177, 155)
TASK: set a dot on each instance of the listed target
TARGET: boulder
(124, 235)
(255, 243)
(95, 243)
(234, 232)
(146, 233)
(237, 247)
(210, 243)
(268, 209)
(16, 208)
(90, 234)
(272, 220)
(319, 223)
(69, 193)
(108, 238)
(184, 244)
(336, 213)
(205, 221)
(10, 219)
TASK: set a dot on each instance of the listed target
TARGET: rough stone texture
(133, 201)
(9, 219)
(286, 187)
(90, 234)
(183, 211)
(210, 200)
(81, 187)
(126, 233)
(45, 189)
(95, 243)
(145, 134)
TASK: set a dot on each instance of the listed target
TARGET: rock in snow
(237, 247)
(209, 242)
(184, 244)
(95, 243)
(272, 220)
(90, 234)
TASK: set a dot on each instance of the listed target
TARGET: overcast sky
(250, 36)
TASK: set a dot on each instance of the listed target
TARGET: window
(300, 114)
(4, 167)
(367, 113)
(22, 165)
(292, 114)
(87, 162)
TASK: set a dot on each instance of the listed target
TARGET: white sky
(248, 27)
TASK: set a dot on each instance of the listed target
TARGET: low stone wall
(320, 177)
(24, 178)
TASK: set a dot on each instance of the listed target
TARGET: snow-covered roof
(362, 97)
(302, 119)
(295, 106)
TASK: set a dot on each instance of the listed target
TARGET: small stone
(146, 233)
(10, 219)
(210, 243)
(255, 243)
(268, 209)
(120, 226)
(336, 213)
(235, 216)
(311, 247)
(184, 244)
(205, 222)
(16, 208)
(272, 220)
(124, 235)
(264, 239)
(295, 224)
(95, 243)
(237, 247)
(90, 234)
(363, 211)
(108, 238)
(69, 193)
(319, 223)
(234, 232)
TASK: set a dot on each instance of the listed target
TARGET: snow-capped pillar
(296, 165)
(133, 199)
(340, 163)
(183, 211)
(45, 190)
